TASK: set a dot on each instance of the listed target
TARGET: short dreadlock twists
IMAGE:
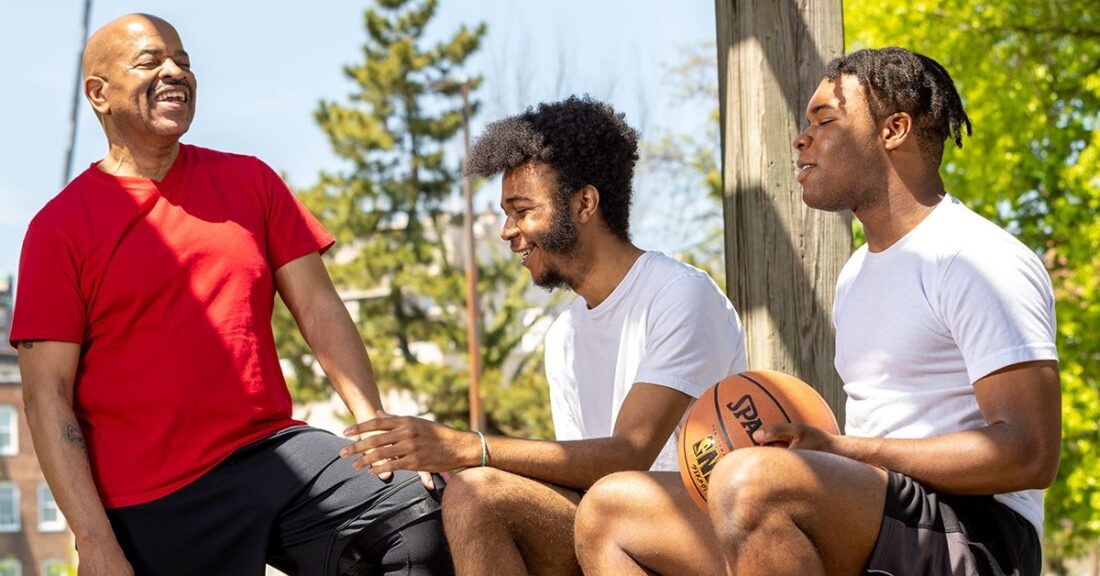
(897, 80)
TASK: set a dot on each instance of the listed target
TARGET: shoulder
(988, 272)
(668, 277)
(980, 246)
(216, 156)
(69, 208)
(660, 272)
(238, 172)
(223, 162)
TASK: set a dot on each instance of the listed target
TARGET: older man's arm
(327, 327)
(48, 373)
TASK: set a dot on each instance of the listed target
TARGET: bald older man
(154, 395)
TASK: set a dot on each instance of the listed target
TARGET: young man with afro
(645, 336)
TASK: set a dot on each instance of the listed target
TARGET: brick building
(34, 538)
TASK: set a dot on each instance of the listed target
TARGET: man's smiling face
(537, 226)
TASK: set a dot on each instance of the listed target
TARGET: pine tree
(391, 213)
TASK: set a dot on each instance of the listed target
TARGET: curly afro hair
(897, 80)
(582, 140)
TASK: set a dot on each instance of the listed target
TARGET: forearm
(325, 324)
(990, 460)
(63, 457)
(646, 420)
(573, 464)
(331, 334)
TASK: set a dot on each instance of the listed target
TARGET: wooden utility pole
(473, 316)
(782, 258)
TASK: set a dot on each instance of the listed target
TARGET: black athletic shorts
(290, 501)
(932, 534)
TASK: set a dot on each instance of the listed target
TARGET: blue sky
(263, 66)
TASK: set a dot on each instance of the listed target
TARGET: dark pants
(288, 500)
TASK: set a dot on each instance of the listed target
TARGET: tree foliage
(685, 165)
(1030, 79)
(393, 214)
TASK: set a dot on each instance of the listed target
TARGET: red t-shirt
(168, 287)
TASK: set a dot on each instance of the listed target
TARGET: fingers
(782, 434)
(374, 456)
(795, 435)
(382, 422)
(426, 480)
(384, 460)
(368, 444)
(389, 466)
(388, 443)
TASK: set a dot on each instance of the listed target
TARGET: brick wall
(31, 546)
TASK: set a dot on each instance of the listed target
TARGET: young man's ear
(585, 203)
(896, 129)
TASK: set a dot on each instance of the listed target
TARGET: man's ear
(95, 90)
(586, 202)
(896, 130)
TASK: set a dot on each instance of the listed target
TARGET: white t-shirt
(666, 323)
(918, 323)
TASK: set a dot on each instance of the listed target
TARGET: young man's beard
(561, 239)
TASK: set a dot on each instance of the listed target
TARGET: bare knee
(473, 497)
(610, 509)
(746, 487)
(608, 504)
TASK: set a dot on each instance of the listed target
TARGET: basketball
(726, 415)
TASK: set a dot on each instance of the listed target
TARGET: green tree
(392, 213)
(1029, 78)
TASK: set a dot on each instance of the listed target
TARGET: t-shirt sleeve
(694, 338)
(999, 306)
(49, 304)
(292, 231)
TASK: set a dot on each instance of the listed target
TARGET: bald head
(138, 79)
(109, 43)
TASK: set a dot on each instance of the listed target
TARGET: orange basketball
(727, 414)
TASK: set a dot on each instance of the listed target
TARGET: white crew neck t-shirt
(917, 324)
(666, 323)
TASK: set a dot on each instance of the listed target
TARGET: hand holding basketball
(750, 409)
(795, 435)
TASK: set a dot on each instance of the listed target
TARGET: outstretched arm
(648, 417)
(327, 327)
(1018, 449)
(48, 371)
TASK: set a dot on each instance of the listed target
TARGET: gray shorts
(925, 533)
(287, 500)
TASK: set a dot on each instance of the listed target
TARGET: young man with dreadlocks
(945, 342)
(646, 335)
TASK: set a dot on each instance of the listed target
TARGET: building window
(10, 567)
(9, 430)
(57, 568)
(49, 515)
(9, 507)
